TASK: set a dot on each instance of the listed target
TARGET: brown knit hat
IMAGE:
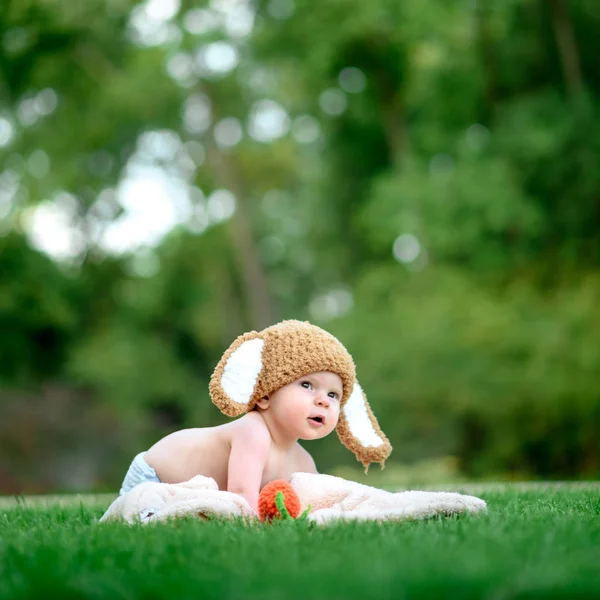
(259, 363)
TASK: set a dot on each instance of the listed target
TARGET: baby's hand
(252, 500)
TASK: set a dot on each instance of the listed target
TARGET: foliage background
(421, 179)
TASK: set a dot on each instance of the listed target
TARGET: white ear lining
(241, 371)
(355, 411)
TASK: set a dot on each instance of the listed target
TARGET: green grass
(532, 544)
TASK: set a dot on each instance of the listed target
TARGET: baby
(292, 381)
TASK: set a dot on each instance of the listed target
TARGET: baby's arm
(249, 452)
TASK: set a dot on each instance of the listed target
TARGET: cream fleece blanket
(331, 499)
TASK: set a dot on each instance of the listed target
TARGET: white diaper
(139, 472)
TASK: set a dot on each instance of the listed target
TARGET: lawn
(533, 543)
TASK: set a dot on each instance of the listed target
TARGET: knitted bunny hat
(259, 363)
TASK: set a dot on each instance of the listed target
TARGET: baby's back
(184, 454)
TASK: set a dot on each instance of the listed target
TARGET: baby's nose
(323, 400)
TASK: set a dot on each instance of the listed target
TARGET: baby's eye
(306, 384)
(333, 395)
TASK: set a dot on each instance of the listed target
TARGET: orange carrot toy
(278, 500)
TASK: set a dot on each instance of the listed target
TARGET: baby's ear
(359, 431)
(263, 403)
(234, 379)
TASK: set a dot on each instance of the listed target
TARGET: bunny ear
(234, 379)
(359, 431)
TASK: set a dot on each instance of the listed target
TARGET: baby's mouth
(317, 420)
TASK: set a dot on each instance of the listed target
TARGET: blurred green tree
(421, 179)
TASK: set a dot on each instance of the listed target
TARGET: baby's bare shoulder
(251, 426)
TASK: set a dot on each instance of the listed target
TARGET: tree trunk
(567, 49)
(242, 240)
(486, 45)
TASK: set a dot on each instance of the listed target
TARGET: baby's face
(309, 407)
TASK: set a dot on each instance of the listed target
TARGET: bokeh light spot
(199, 21)
(228, 132)
(218, 58)
(331, 305)
(281, 9)
(267, 121)
(477, 136)
(197, 113)
(38, 164)
(7, 132)
(306, 129)
(406, 248)
(333, 101)
(220, 205)
(352, 80)
(441, 164)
